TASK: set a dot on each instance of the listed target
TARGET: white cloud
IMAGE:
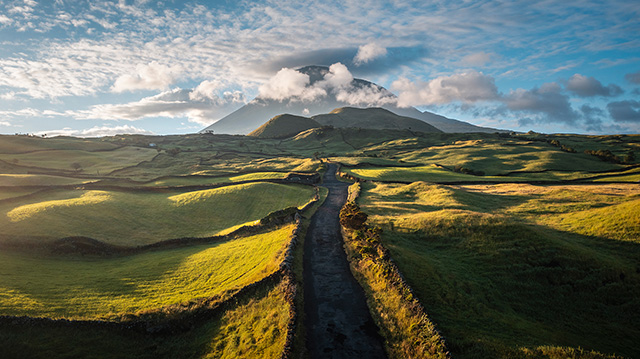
(369, 52)
(152, 76)
(5, 123)
(4, 20)
(176, 103)
(338, 77)
(96, 131)
(466, 87)
(290, 84)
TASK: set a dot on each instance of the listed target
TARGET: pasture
(62, 287)
(137, 218)
(505, 270)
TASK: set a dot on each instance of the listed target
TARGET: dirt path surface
(338, 321)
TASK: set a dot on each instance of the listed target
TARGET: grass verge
(407, 330)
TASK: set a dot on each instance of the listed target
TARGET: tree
(630, 157)
(76, 166)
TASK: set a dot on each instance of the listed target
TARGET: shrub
(351, 217)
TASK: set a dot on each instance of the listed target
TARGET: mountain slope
(283, 126)
(253, 114)
(373, 118)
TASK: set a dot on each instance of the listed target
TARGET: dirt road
(338, 321)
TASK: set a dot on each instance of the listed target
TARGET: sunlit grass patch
(86, 199)
(431, 173)
(253, 327)
(89, 288)
(206, 180)
(620, 221)
(134, 218)
(256, 329)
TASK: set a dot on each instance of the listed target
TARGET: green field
(206, 180)
(134, 218)
(255, 327)
(90, 288)
(505, 269)
(84, 162)
(19, 180)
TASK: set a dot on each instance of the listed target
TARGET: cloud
(338, 77)
(584, 86)
(369, 52)
(199, 105)
(152, 76)
(548, 100)
(477, 59)
(624, 111)
(593, 117)
(465, 87)
(97, 131)
(291, 85)
(5, 20)
(634, 78)
(5, 123)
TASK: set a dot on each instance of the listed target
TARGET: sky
(94, 68)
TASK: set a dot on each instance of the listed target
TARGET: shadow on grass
(495, 287)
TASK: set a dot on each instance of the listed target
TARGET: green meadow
(135, 218)
(515, 270)
(108, 287)
(255, 327)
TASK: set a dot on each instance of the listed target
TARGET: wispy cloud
(200, 105)
(97, 131)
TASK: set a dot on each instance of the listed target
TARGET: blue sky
(91, 68)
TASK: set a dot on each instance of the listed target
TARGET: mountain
(253, 114)
(372, 118)
(287, 125)
(283, 126)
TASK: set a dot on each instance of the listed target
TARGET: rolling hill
(252, 115)
(372, 118)
(283, 126)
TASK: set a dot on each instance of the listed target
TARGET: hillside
(283, 126)
(252, 115)
(483, 245)
(372, 118)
